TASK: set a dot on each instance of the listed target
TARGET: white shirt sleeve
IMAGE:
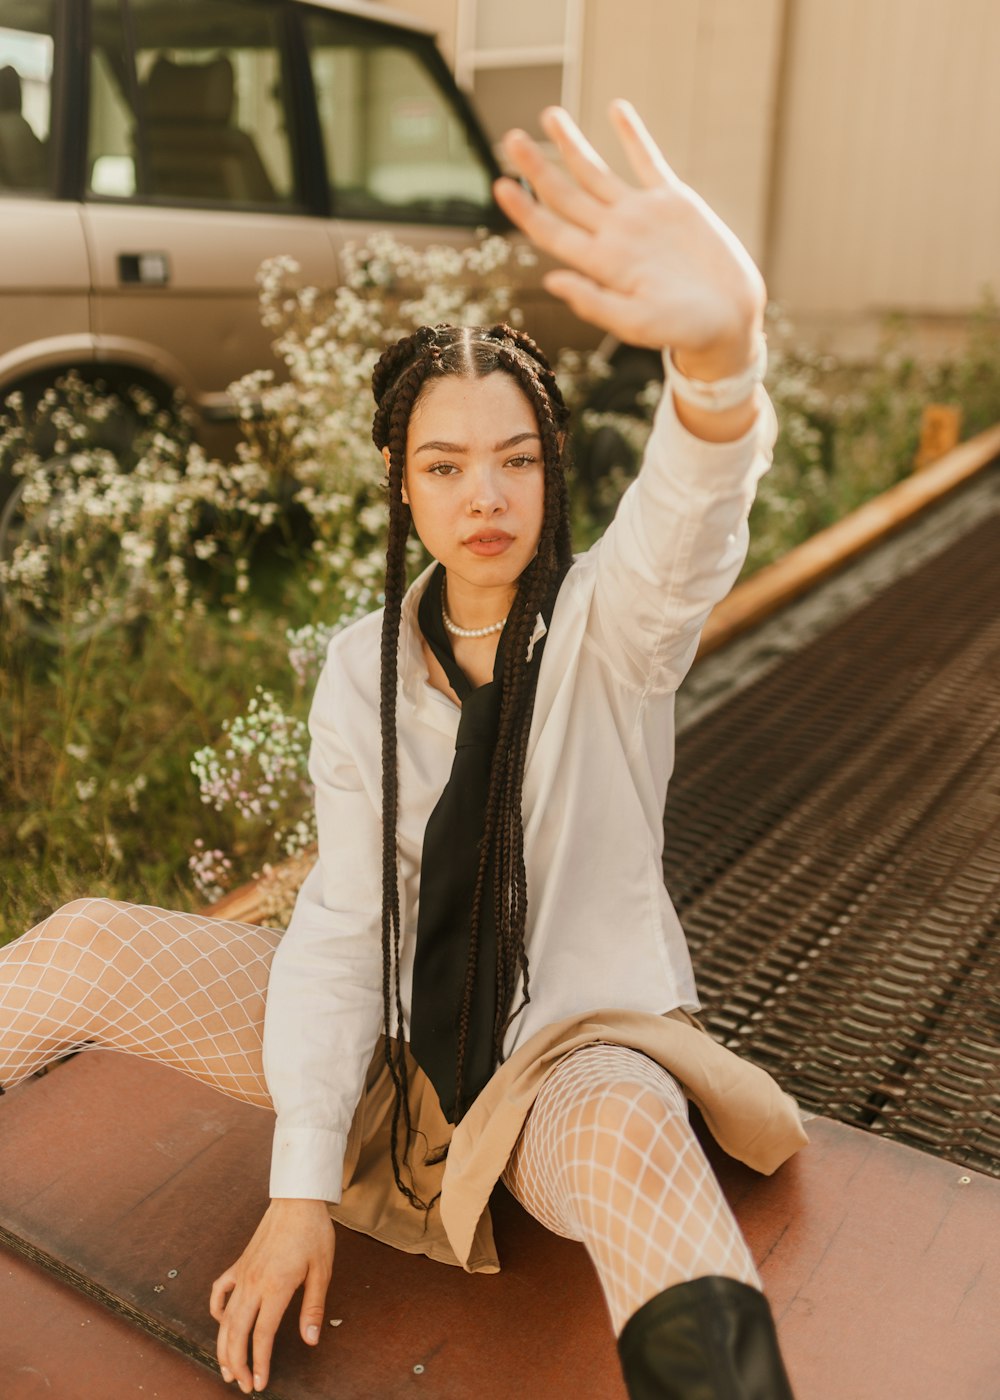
(675, 546)
(324, 996)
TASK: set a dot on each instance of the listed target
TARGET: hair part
(401, 375)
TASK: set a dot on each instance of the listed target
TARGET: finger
(561, 194)
(221, 1289)
(268, 1319)
(234, 1342)
(546, 229)
(313, 1305)
(609, 310)
(588, 168)
(644, 155)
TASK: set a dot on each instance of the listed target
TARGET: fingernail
(226, 1374)
(258, 1384)
(312, 1334)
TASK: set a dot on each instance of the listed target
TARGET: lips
(487, 542)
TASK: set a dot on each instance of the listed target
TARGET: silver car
(154, 152)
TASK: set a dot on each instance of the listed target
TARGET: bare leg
(179, 988)
(607, 1156)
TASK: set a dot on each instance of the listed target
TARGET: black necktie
(449, 863)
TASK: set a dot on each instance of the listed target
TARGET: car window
(26, 53)
(396, 143)
(188, 103)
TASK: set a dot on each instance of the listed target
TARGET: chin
(485, 574)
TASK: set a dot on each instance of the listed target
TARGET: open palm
(653, 264)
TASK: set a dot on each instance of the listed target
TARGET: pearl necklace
(457, 631)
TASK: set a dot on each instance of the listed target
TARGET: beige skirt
(748, 1114)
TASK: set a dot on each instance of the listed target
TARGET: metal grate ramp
(833, 849)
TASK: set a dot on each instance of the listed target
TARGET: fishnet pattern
(607, 1156)
(179, 988)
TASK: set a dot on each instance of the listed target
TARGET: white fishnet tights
(179, 988)
(606, 1156)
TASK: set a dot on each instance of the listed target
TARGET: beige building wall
(703, 73)
(852, 144)
(887, 184)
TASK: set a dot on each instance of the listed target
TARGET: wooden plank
(881, 1267)
(879, 1261)
(141, 1180)
(60, 1345)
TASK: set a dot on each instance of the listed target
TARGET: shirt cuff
(705, 466)
(308, 1164)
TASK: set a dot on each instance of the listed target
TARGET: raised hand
(293, 1244)
(653, 265)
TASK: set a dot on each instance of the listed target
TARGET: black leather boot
(710, 1339)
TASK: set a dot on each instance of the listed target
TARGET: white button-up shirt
(601, 930)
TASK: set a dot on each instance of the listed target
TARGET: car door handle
(149, 269)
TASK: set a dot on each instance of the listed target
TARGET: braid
(399, 377)
(389, 430)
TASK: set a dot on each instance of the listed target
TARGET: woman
(483, 974)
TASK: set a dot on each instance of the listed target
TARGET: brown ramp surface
(145, 1185)
(139, 1186)
(57, 1343)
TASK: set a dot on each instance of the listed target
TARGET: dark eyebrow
(441, 447)
(513, 441)
(454, 446)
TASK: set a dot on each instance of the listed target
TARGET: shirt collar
(412, 666)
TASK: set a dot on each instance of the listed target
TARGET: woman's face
(474, 479)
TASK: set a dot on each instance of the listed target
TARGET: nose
(486, 495)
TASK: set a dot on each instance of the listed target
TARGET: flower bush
(147, 588)
(847, 431)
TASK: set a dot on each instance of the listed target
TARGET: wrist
(720, 393)
(723, 359)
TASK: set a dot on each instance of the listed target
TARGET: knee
(86, 923)
(630, 1112)
(635, 1131)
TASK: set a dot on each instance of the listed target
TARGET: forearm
(676, 544)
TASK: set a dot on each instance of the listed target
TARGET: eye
(442, 469)
(523, 459)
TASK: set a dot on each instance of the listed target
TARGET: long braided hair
(402, 372)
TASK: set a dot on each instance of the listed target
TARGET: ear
(385, 458)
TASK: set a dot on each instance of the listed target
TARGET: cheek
(429, 518)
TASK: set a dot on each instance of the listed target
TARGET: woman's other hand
(293, 1244)
(653, 265)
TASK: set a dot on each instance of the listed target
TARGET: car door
(44, 273)
(195, 174)
(403, 151)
